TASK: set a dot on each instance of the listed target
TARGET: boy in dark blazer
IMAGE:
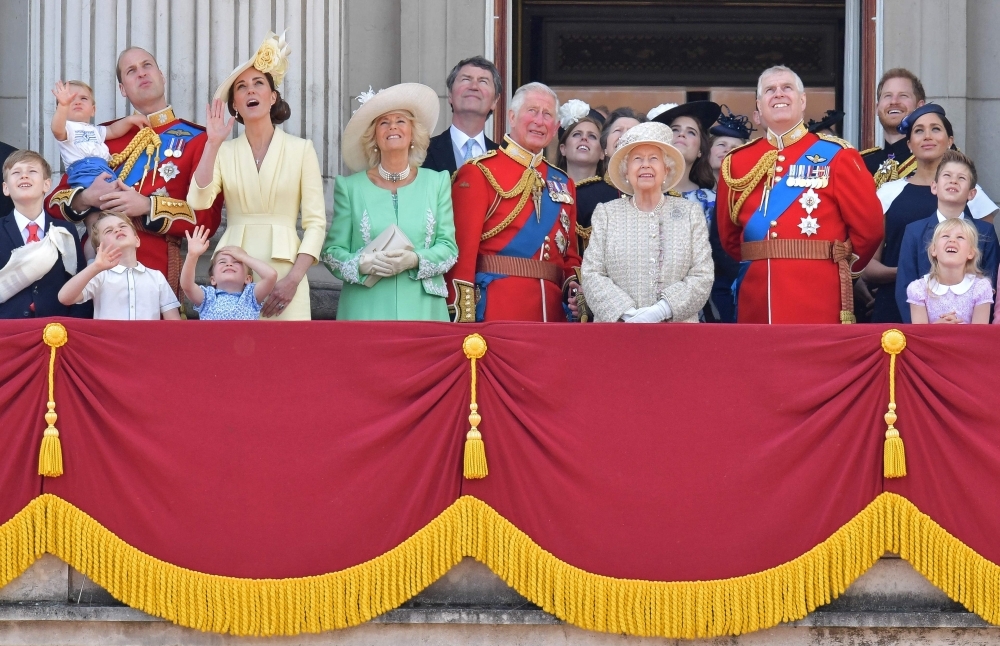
(50, 251)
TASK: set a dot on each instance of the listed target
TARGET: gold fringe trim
(470, 527)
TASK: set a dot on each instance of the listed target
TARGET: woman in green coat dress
(387, 138)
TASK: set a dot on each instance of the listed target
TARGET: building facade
(341, 47)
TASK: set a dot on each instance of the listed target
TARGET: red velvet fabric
(949, 419)
(662, 452)
(24, 369)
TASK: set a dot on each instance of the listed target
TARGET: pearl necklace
(393, 177)
(655, 208)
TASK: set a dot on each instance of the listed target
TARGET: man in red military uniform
(153, 178)
(795, 208)
(514, 221)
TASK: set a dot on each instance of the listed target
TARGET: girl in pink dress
(954, 291)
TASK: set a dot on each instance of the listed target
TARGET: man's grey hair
(517, 101)
(775, 70)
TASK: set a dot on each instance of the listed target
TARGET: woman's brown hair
(280, 111)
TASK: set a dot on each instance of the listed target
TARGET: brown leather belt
(521, 267)
(835, 251)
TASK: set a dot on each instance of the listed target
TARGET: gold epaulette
(588, 180)
(843, 143)
(868, 151)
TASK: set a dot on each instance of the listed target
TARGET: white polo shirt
(129, 294)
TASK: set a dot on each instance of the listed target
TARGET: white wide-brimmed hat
(650, 133)
(271, 58)
(416, 98)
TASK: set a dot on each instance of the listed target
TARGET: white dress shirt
(458, 140)
(129, 294)
(23, 221)
(941, 218)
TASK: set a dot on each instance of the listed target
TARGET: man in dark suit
(30, 286)
(6, 205)
(473, 88)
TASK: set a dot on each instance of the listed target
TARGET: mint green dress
(361, 211)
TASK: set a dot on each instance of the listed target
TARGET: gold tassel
(475, 451)
(50, 460)
(893, 452)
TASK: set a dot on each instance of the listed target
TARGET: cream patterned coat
(634, 259)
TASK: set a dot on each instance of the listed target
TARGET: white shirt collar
(120, 269)
(959, 289)
(23, 221)
(941, 218)
(459, 138)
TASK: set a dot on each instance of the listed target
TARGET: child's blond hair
(83, 86)
(95, 239)
(971, 234)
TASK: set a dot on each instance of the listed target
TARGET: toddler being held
(232, 296)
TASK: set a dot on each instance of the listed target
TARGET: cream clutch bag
(391, 239)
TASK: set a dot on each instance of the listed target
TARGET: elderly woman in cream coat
(649, 260)
(268, 178)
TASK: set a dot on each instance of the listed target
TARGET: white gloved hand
(628, 314)
(655, 313)
(400, 260)
(371, 264)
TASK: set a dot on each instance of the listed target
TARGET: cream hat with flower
(650, 133)
(271, 58)
(416, 98)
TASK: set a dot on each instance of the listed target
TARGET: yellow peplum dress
(262, 208)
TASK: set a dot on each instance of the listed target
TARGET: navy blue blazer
(441, 152)
(914, 263)
(44, 292)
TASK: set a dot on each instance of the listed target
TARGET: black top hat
(732, 125)
(704, 112)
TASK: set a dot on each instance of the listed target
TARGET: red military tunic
(484, 228)
(167, 178)
(784, 290)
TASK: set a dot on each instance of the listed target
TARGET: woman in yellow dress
(267, 177)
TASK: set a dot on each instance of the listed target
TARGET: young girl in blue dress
(232, 295)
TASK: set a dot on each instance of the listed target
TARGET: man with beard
(153, 180)
(899, 93)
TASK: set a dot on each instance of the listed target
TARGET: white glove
(399, 260)
(628, 314)
(371, 264)
(655, 313)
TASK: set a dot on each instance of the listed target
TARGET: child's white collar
(959, 289)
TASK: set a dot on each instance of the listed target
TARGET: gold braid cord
(893, 455)
(474, 463)
(141, 142)
(529, 182)
(745, 185)
(470, 527)
(50, 460)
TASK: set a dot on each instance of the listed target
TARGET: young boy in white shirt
(121, 287)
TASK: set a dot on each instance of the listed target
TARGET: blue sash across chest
(782, 195)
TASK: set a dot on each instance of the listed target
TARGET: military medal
(168, 171)
(160, 192)
(564, 220)
(561, 242)
(169, 152)
(809, 201)
(809, 225)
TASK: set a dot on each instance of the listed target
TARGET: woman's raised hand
(217, 127)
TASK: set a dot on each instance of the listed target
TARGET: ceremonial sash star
(809, 201)
(809, 225)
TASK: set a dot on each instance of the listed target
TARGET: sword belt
(521, 267)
